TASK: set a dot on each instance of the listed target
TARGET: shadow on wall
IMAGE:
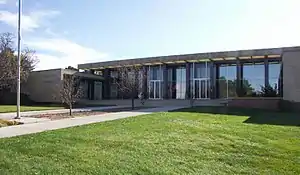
(256, 116)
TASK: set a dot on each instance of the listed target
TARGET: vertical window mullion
(149, 83)
(205, 81)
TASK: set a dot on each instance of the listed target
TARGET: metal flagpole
(19, 60)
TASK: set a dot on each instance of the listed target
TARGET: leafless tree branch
(130, 80)
(70, 91)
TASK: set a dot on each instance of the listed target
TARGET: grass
(191, 141)
(13, 108)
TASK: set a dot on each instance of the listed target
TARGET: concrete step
(164, 102)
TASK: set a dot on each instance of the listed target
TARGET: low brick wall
(260, 103)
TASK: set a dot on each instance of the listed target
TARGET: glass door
(200, 83)
(155, 89)
(97, 90)
(180, 82)
(201, 88)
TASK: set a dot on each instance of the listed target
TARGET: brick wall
(43, 86)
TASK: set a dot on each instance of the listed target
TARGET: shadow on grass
(256, 116)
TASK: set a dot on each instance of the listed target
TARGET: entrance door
(155, 89)
(98, 90)
(201, 88)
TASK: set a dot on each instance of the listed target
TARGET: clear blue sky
(68, 32)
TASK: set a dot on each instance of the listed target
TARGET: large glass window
(180, 82)
(200, 70)
(274, 75)
(114, 74)
(227, 81)
(253, 78)
(155, 73)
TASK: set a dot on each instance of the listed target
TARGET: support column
(217, 84)
(145, 82)
(174, 83)
(165, 81)
(266, 63)
(106, 86)
(239, 78)
(188, 81)
(212, 80)
(91, 89)
(280, 81)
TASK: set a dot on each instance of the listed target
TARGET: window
(98, 73)
(201, 70)
(113, 74)
(227, 80)
(274, 75)
(155, 73)
(180, 82)
(253, 78)
(113, 91)
(200, 80)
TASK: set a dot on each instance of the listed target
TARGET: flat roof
(209, 56)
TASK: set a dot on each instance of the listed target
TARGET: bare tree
(70, 91)
(192, 98)
(130, 81)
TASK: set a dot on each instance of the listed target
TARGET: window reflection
(253, 79)
(227, 81)
(155, 73)
(201, 70)
(274, 75)
(200, 80)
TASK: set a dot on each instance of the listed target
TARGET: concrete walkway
(77, 121)
(11, 115)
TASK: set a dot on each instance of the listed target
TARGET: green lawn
(13, 108)
(189, 142)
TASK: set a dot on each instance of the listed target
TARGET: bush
(4, 123)
(268, 91)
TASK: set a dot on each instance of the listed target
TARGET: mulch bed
(84, 113)
(66, 115)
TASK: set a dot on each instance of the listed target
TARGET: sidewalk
(77, 121)
(11, 115)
